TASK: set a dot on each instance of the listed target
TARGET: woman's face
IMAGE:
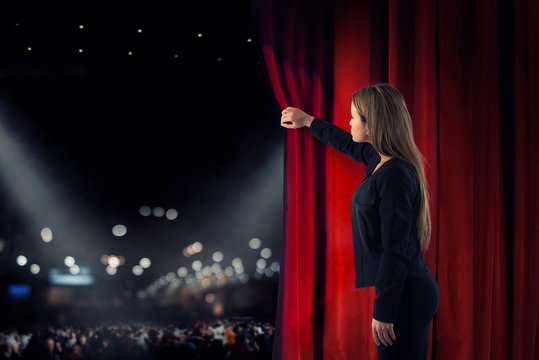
(359, 128)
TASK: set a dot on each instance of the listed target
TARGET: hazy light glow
(197, 246)
(74, 269)
(158, 211)
(111, 270)
(197, 265)
(216, 267)
(265, 253)
(69, 261)
(182, 271)
(236, 262)
(172, 214)
(145, 262)
(207, 271)
(145, 210)
(34, 268)
(119, 230)
(137, 270)
(21, 260)
(275, 267)
(261, 263)
(217, 256)
(46, 234)
(114, 261)
(210, 298)
(254, 243)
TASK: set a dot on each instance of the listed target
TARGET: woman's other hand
(293, 118)
(383, 333)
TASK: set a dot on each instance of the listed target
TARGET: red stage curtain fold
(468, 72)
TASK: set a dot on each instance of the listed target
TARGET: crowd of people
(225, 339)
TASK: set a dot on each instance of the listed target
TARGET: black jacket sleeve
(396, 190)
(341, 140)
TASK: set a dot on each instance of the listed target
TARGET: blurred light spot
(158, 211)
(145, 210)
(80, 50)
(217, 256)
(249, 40)
(182, 271)
(130, 53)
(69, 261)
(275, 266)
(210, 298)
(239, 269)
(207, 271)
(197, 265)
(199, 275)
(199, 34)
(261, 263)
(46, 234)
(111, 270)
(268, 272)
(171, 214)
(145, 262)
(265, 253)
(216, 268)
(137, 270)
(171, 276)
(197, 247)
(229, 271)
(21, 260)
(141, 294)
(105, 259)
(122, 260)
(206, 283)
(29, 49)
(254, 243)
(236, 262)
(119, 230)
(139, 31)
(81, 26)
(34, 268)
(74, 269)
(114, 261)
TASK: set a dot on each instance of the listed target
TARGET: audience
(201, 340)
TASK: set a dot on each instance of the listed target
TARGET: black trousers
(419, 303)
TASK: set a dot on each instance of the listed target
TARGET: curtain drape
(468, 72)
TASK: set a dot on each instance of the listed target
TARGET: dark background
(185, 122)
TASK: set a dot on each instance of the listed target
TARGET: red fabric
(469, 90)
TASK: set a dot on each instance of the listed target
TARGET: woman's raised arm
(334, 136)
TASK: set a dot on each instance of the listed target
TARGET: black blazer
(384, 213)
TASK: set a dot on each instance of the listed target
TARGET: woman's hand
(383, 332)
(293, 118)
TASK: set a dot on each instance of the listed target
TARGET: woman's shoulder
(396, 169)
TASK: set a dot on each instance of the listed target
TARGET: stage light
(105, 259)
(158, 211)
(249, 40)
(111, 270)
(34, 268)
(145, 210)
(69, 261)
(80, 50)
(268, 272)
(229, 271)
(46, 234)
(197, 265)
(137, 270)
(172, 214)
(275, 266)
(139, 31)
(119, 230)
(29, 49)
(145, 262)
(199, 34)
(254, 243)
(81, 27)
(265, 253)
(130, 53)
(210, 298)
(217, 256)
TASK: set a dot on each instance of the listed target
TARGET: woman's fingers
(375, 336)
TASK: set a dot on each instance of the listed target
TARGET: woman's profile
(390, 216)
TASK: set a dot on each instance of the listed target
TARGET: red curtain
(468, 71)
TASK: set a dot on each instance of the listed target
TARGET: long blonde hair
(383, 108)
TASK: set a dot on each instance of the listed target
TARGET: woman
(390, 216)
